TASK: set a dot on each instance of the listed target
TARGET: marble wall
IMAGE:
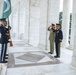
(74, 27)
(53, 11)
(20, 20)
(15, 23)
(24, 20)
(34, 22)
(43, 24)
(30, 19)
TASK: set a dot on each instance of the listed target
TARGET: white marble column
(11, 24)
(1, 10)
(43, 24)
(72, 32)
(71, 46)
(53, 15)
(49, 14)
(27, 21)
(34, 22)
(74, 24)
(15, 19)
(65, 22)
(22, 20)
(19, 19)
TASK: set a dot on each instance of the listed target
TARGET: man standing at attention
(58, 40)
(51, 28)
(4, 39)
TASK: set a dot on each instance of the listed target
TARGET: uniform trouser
(57, 45)
(51, 47)
(3, 52)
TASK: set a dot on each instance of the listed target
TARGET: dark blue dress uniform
(4, 41)
(58, 40)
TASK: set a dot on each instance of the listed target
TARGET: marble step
(3, 69)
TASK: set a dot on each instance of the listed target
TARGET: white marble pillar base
(74, 61)
(3, 69)
(70, 47)
(42, 46)
(25, 40)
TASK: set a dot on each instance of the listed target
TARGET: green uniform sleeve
(48, 28)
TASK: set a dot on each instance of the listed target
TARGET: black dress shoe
(6, 57)
(50, 52)
(57, 56)
(6, 54)
(4, 61)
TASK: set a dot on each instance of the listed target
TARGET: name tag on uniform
(57, 31)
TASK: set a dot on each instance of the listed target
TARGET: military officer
(4, 39)
(58, 40)
(51, 28)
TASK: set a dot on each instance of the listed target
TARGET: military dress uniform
(52, 39)
(4, 41)
(58, 40)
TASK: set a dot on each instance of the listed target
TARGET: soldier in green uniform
(58, 40)
(51, 28)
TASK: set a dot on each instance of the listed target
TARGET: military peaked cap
(57, 24)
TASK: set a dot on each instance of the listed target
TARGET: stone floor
(25, 59)
(32, 58)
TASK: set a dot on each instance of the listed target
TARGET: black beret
(3, 19)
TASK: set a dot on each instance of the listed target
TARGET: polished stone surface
(22, 65)
(32, 58)
(59, 69)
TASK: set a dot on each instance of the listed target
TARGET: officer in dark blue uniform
(58, 40)
(4, 39)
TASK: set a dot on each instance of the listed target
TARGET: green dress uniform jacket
(52, 39)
